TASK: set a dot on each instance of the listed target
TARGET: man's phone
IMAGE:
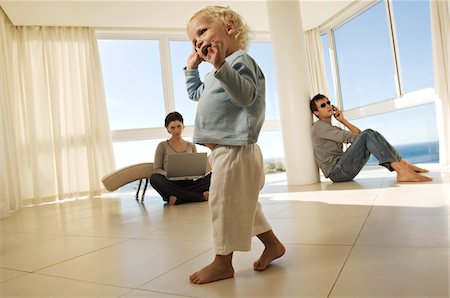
(334, 110)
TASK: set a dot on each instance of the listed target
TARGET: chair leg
(145, 188)
(139, 188)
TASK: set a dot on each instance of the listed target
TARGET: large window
(412, 24)
(133, 82)
(262, 53)
(384, 68)
(364, 58)
(412, 134)
(144, 80)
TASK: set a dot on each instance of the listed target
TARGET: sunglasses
(325, 104)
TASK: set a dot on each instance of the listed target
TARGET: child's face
(204, 31)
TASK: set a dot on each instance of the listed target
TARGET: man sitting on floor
(342, 166)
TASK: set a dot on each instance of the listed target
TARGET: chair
(123, 176)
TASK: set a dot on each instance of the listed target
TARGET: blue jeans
(355, 157)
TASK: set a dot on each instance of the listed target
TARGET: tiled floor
(369, 237)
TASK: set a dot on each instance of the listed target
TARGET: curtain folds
(55, 135)
(9, 181)
(316, 64)
(440, 27)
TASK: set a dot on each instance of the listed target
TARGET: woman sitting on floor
(177, 192)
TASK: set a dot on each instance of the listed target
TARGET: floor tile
(143, 293)
(342, 231)
(130, 263)
(304, 271)
(418, 231)
(35, 285)
(183, 230)
(320, 209)
(7, 274)
(394, 272)
(34, 257)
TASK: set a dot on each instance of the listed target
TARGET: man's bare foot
(411, 176)
(413, 167)
(206, 195)
(172, 200)
(269, 254)
(220, 268)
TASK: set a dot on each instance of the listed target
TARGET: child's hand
(218, 54)
(213, 53)
(194, 60)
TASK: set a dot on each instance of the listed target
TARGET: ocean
(415, 153)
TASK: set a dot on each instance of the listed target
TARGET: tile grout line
(354, 243)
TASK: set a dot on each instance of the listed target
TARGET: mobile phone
(334, 110)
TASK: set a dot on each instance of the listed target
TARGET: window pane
(326, 54)
(412, 22)
(132, 152)
(179, 52)
(364, 57)
(133, 83)
(412, 132)
(271, 144)
(261, 52)
(128, 153)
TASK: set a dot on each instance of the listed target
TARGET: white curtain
(316, 62)
(55, 136)
(440, 26)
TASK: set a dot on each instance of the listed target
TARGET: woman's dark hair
(173, 116)
(312, 103)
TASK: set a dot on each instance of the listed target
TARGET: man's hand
(338, 114)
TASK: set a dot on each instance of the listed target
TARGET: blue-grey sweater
(231, 102)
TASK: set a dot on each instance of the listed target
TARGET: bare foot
(269, 254)
(273, 249)
(410, 176)
(172, 200)
(413, 167)
(206, 196)
(220, 268)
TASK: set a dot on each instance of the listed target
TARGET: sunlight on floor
(368, 237)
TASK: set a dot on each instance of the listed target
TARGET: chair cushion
(123, 176)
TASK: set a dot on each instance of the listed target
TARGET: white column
(288, 43)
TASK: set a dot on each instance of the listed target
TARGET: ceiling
(151, 14)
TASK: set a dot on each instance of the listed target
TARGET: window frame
(401, 100)
(164, 37)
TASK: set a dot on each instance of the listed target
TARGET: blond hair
(228, 17)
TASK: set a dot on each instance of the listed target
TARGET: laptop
(186, 166)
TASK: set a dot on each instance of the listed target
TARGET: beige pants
(238, 176)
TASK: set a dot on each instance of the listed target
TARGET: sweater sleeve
(239, 80)
(159, 160)
(194, 85)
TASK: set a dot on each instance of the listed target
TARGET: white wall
(152, 14)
